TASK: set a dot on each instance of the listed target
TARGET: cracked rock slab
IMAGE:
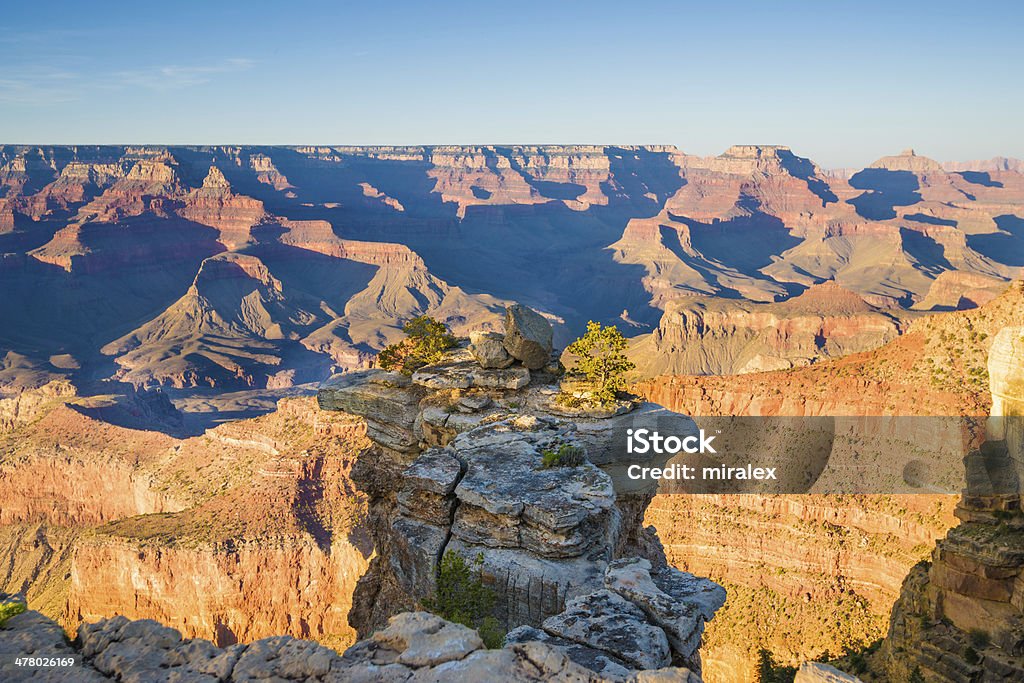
(604, 663)
(603, 620)
(676, 601)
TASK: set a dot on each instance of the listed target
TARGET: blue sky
(840, 82)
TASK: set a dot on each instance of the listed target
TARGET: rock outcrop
(714, 336)
(960, 617)
(415, 646)
(458, 466)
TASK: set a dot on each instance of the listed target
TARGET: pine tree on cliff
(600, 360)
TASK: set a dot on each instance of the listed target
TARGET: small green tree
(463, 598)
(425, 343)
(600, 360)
(916, 676)
(769, 671)
(10, 609)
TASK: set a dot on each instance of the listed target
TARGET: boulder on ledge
(528, 336)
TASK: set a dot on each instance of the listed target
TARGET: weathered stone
(672, 674)
(605, 439)
(489, 351)
(475, 525)
(425, 639)
(605, 621)
(390, 412)
(530, 588)
(416, 550)
(815, 672)
(528, 336)
(520, 662)
(33, 635)
(436, 470)
(474, 403)
(598, 661)
(445, 376)
(428, 506)
(676, 601)
(509, 379)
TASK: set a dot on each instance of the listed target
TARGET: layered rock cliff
(710, 336)
(960, 617)
(202, 533)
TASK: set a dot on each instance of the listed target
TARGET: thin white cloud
(43, 86)
(38, 86)
(178, 76)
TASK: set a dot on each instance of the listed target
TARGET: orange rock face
(248, 531)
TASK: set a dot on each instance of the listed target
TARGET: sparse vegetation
(463, 598)
(980, 638)
(10, 609)
(567, 455)
(425, 343)
(769, 671)
(600, 362)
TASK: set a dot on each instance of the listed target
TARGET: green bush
(10, 609)
(463, 598)
(769, 671)
(566, 456)
(979, 638)
(600, 360)
(425, 343)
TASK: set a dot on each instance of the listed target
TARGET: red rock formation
(215, 205)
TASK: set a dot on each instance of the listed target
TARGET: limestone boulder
(488, 349)
(677, 602)
(605, 621)
(528, 336)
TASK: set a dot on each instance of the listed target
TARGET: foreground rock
(464, 461)
(815, 672)
(528, 336)
(415, 646)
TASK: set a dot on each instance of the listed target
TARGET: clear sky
(840, 82)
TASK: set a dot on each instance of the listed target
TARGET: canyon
(159, 300)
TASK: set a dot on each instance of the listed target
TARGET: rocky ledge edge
(415, 647)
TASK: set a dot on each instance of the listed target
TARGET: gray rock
(390, 412)
(32, 634)
(598, 661)
(489, 351)
(672, 674)
(427, 487)
(528, 336)
(474, 403)
(605, 621)
(436, 470)
(676, 601)
(815, 672)
(415, 553)
(522, 662)
(605, 439)
(424, 639)
(530, 588)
